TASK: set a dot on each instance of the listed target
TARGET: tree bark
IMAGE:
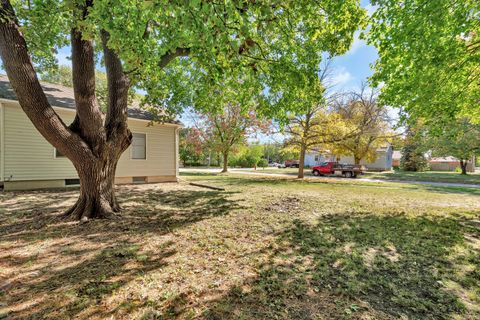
(97, 192)
(463, 166)
(225, 162)
(301, 164)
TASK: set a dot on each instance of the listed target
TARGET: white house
(28, 161)
(383, 160)
(316, 157)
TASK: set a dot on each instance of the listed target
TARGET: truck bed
(350, 167)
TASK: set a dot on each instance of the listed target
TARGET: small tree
(223, 131)
(368, 123)
(272, 152)
(460, 139)
(312, 125)
(190, 146)
(414, 149)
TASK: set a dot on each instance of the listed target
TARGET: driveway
(260, 172)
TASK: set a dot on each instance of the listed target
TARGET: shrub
(262, 163)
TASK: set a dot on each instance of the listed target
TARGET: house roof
(326, 151)
(444, 159)
(63, 97)
(384, 148)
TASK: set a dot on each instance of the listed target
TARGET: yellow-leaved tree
(368, 125)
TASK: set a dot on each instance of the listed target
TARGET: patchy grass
(431, 176)
(263, 249)
(427, 176)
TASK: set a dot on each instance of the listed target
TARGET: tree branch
(117, 104)
(30, 95)
(169, 56)
(88, 119)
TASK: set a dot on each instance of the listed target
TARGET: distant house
(396, 157)
(383, 161)
(28, 161)
(316, 157)
(449, 164)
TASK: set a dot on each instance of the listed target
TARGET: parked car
(292, 163)
(335, 168)
(274, 165)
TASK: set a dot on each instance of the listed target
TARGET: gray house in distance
(383, 160)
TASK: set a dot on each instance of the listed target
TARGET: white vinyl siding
(28, 156)
(139, 146)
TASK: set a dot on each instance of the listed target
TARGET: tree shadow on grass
(67, 290)
(364, 267)
(39, 215)
(340, 182)
(52, 268)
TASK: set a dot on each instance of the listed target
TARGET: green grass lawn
(434, 176)
(427, 176)
(262, 249)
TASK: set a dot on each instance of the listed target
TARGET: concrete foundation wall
(60, 183)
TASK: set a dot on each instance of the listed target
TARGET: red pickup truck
(335, 168)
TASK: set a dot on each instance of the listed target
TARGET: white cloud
(341, 77)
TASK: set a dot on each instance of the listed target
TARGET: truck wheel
(348, 174)
(316, 173)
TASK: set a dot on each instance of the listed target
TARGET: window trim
(146, 146)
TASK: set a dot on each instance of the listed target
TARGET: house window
(317, 158)
(139, 146)
(58, 154)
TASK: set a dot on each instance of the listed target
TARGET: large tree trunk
(97, 191)
(301, 164)
(463, 166)
(93, 144)
(225, 162)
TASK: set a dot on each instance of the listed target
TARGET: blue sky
(354, 67)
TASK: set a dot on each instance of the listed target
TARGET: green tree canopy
(429, 56)
(269, 39)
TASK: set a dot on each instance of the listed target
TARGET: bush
(247, 156)
(262, 163)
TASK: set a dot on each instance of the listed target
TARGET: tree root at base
(87, 209)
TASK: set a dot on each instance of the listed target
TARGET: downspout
(2, 142)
